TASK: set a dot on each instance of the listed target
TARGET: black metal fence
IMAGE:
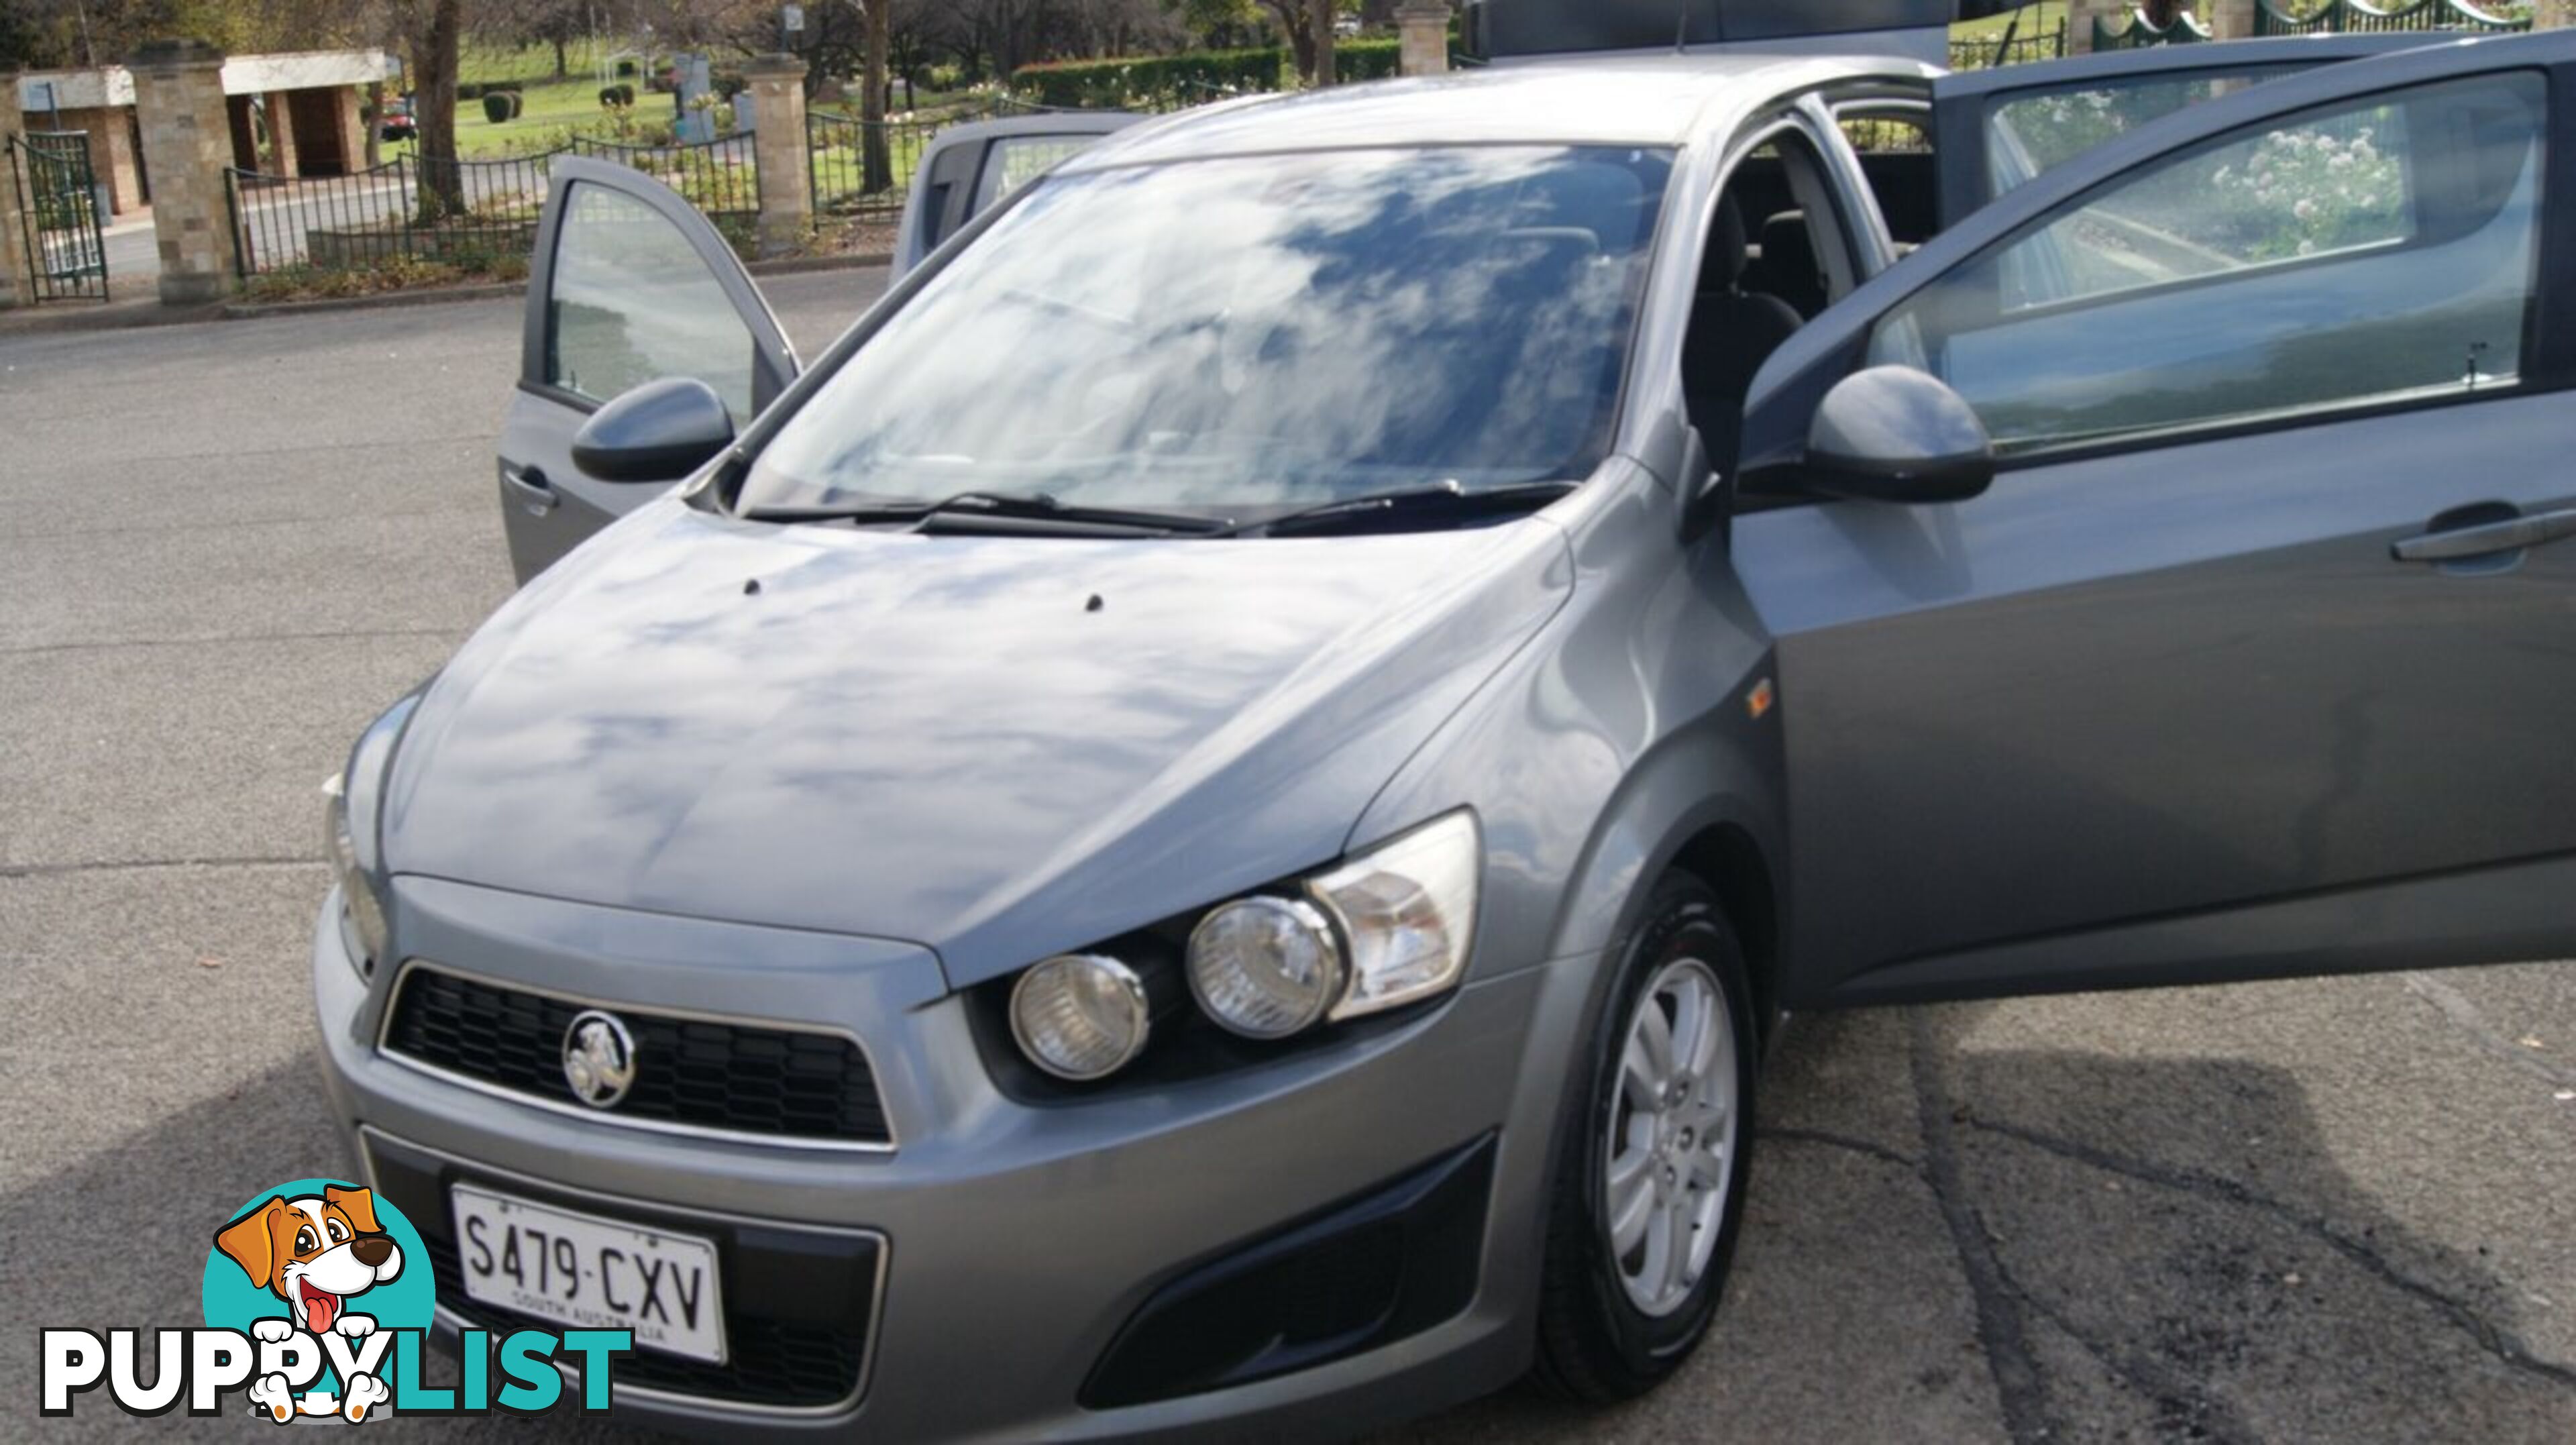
(473, 215)
(861, 169)
(58, 197)
(2307, 17)
(2013, 47)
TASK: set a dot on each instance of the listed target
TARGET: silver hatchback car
(1203, 825)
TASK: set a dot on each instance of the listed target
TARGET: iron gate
(66, 244)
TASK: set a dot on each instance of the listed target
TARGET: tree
(876, 156)
(557, 23)
(1308, 24)
(433, 55)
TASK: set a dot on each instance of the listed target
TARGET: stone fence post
(187, 143)
(1423, 28)
(2080, 15)
(17, 282)
(2226, 19)
(777, 89)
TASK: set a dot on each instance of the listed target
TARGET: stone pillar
(2080, 15)
(281, 134)
(776, 85)
(1423, 28)
(187, 143)
(17, 284)
(2226, 19)
(348, 112)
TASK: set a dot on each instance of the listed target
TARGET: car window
(1244, 332)
(2032, 132)
(630, 301)
(2358, 254)
(1895, 151)
(1014, 161)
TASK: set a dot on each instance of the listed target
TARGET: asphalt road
(2332, 1211)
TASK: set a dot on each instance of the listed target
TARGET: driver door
(2257, 654)
(968, 169)
(629, 284)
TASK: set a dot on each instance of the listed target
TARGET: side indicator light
(1758, 701)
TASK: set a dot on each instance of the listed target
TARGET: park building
(293, 113)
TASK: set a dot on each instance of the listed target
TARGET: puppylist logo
(317, 1298)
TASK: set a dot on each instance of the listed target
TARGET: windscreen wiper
(1447, 501)
(964, 511)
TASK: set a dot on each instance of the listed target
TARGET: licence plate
(590, 1273)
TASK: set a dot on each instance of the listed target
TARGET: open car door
(968, 168)
(629, 284)
(2209, 618)
(2003, 127)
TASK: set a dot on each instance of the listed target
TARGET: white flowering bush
(2299, 191)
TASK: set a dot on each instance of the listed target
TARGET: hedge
(472, 90)
(500, 105)
(1190, 75)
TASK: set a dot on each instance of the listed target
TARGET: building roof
(111, 85)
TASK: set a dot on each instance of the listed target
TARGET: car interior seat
(1789, 268)
(1732, 332)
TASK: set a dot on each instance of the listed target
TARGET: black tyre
(1650, 1182)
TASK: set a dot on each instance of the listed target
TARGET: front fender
(1619, 734)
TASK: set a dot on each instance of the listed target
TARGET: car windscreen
(1251, 332)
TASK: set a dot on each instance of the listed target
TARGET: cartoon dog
(314, 1253)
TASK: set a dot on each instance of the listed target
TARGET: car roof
(1653, 99)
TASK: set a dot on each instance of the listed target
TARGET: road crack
(2469, 1019)
(2000, 1332)
(2184, 1410)
(2503, 1344)
(128, 865)
(40, 649)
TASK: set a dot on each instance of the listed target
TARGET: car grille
(738, 1078)
(778, 1363)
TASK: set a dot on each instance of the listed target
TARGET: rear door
(630, 283)
(967, 169)
(2258, 654)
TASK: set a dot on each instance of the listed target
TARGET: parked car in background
(1202, 827)
(398, 123)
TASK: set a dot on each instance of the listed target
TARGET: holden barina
(1203, 826)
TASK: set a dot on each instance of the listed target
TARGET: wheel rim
(1670, 1149)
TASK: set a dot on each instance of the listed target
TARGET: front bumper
(1016, 1241)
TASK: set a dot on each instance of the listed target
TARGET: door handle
(2510, 535)
(531, 488)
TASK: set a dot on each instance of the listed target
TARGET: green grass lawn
(546, 108)
(480, 63)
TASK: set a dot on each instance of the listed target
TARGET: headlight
(1388, 927)
(1265, 967)
(362, 913)
(1407, 911)
(349, 835)
(1080, 1015)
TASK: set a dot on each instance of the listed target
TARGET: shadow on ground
(1943, 1244)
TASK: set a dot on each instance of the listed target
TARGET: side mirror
(1895, 434)
(658, 432)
